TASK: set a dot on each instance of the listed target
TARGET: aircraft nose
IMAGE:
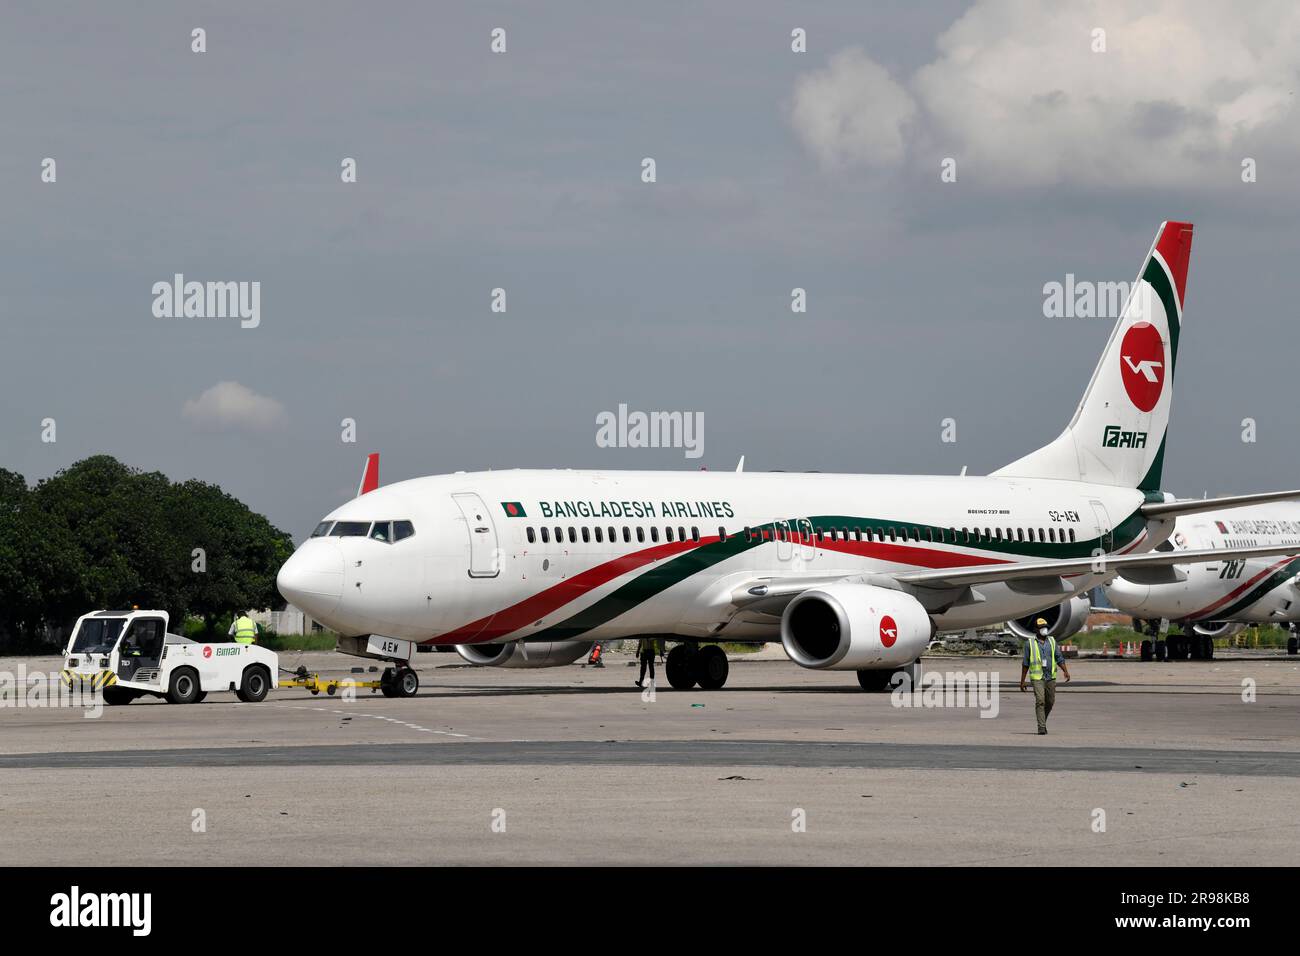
(312, 578)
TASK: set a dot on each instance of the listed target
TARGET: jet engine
(521, 654)
(850, 626)
(1062, 619)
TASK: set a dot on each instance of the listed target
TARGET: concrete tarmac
(1170, 763)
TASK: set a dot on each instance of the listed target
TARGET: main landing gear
(399, 681)
(688, 665)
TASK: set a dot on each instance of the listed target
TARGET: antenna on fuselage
(963, 472)
(741, 465)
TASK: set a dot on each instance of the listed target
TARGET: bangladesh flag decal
(514, 509)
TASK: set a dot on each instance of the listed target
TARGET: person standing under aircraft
(1038, 650)
(244, 629)
(645, 650)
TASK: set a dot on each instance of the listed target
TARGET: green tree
(101, 535)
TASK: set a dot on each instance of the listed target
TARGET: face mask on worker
(1042, 632)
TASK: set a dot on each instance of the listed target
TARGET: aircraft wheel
(1207, 648)
(406, 683)
(184, 687)
(711, 667)
(1148, 650)
(874, 681)
(1293, 645)
(255, 686)
(1161, 651)
(678, 667)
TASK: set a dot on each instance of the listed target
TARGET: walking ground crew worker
(244, 629)
(645, 650)
(1042, 658)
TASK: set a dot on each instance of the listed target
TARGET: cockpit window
(381, 532)
(402, 529)
(350, 529)
(97, 635)
(322, 529)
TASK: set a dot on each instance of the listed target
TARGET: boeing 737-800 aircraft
(1217, 599)
(851, 572)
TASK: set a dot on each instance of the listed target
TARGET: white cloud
(852, 112)
(1183, 93)
(231, 406)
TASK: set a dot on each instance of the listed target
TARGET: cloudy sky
(522, 170)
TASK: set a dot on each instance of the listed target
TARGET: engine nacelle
(1218, 628)
(520, 654)
(1063, 619)
(848, 626)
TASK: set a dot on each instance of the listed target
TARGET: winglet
(370, 476)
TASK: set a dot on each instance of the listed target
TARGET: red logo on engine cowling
(888, 631)
(207, 651)
(1142, 365)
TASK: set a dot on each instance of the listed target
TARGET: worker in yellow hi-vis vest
(1041, 661)
(244, 629)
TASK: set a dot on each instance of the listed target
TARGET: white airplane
(849, 572)
(1218, 599)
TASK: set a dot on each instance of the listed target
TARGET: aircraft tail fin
(1117, 434)
(369, 475)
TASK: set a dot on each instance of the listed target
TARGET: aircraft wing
(941, 588)
(1190, 506)
(1020, 570)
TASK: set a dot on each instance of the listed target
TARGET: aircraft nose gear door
(484, 555)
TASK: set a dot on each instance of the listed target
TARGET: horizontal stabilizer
(1191, 506)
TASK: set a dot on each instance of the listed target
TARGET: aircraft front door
(484, 554)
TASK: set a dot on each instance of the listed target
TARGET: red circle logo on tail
(888, 631)
(1142, 365)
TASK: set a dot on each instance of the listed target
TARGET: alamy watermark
(179, 299)
(624, 429)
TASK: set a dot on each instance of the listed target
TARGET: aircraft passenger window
(640, 535)
(559, 536)
(892, 536)
(546, 536)
(818, 533)
(627, 535)
(573, 535)
(1051, 532)
(695, 533)
(654, 533)
(600, 535)
(586, 535)
(767, 534)
(681, 533)
(612, 534)
(668, 534)
(322, 529)
(1072, 536)
(381, 532)
(350, 529)
(531, 537)
(402, 530)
